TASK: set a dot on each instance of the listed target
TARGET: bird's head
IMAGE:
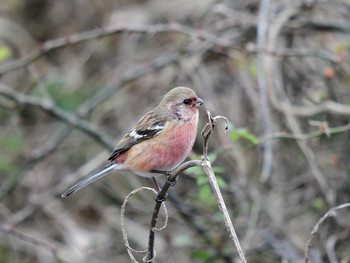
(181, 102)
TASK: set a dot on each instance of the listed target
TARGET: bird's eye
(187, 101)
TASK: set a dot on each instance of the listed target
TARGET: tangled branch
(206, 166)
(125, 236)
(59, 43)
(49, 107)
(330, 212)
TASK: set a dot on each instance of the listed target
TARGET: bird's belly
(165, 152)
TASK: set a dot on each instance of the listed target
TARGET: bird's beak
(198, 102)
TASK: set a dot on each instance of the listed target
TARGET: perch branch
(125, 236)
(161, 196)
(206, 166)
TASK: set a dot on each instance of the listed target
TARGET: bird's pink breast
(166, 151)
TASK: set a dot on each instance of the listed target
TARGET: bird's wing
(148, 127)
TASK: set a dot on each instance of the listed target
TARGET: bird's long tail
(89, 179)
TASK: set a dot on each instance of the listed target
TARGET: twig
(129, 76)
(102, 95)
(205, 164)
(293, 52)
(330, 212)
(49, 106)
(307, 111)
(162, 195)
(125, 236)
(306, 136)
(55, 44)
(262, 40)
(287, 136)
(275, 82)
(85, 109)
(328, 26)
(25, 237)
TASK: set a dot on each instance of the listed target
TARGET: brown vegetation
(74, 77)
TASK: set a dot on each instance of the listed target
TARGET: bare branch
(330, 212)
(162, 196)
(262, 40)
(125, 236)
(27, 238)
(102, 95)
(49, 107)
(275, 82)
(205, 164)
(306, 136)
(55, 44)
(306, 111)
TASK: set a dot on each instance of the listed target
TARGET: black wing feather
(148, 127)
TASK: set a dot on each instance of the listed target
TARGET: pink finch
(158, 143)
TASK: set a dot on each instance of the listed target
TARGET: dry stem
(206, 165)
(330, 212)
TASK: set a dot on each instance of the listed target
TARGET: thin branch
(50, 145)
(262, 41)
(287, 136)
(49, 107)
(129, 76)
(276, 84)
(307, 111)
(327, 26)
(55, 44)
(125, 236)
(27, 238)
(205, 164)
(85, 109)
(102, 95)
(330, 212)
(293, 52)
(59, 43)
(161, 196)
(306, 136)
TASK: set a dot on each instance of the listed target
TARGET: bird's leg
(160, 172)
(158, 198)
(156, 183)
(171, 182)
(167, 174)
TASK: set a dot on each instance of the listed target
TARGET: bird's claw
(161, 199)
(172, 182)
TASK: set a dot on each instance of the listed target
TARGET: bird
(160, 141)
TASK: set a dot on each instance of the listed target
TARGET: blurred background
(76, 75)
